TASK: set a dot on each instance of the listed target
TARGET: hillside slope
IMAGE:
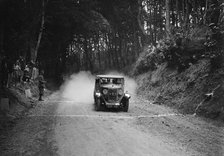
(187, 90)
(186, 73)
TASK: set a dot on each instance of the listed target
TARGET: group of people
(13, 73)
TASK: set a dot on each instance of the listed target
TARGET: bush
(182, 50)
(148, 60)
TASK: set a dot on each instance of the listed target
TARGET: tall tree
(168, 17)
(34, 55)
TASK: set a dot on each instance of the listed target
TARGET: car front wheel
(98, 105)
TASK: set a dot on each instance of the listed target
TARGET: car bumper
(112, 105)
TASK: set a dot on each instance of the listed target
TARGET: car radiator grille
(112, 95)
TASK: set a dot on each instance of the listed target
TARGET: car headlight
(128, 96)
(105, 91)
(98, 95)
(120, 91)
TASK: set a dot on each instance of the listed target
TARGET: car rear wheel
(126, 106)
(98, 104)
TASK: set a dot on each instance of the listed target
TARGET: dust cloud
(79, 87)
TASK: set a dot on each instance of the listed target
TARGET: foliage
(148, 60)
(98, 35)
(181, 51)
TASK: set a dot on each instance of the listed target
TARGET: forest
(67, 36)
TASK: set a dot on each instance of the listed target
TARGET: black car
(109, 93)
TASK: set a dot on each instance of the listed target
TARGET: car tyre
(98, 104)
(126, 106)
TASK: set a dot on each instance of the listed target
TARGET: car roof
(110, 76)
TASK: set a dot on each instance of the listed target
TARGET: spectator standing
(35, 73)
(26, 74)
(17, 72)
(22, 63)
(10, 71)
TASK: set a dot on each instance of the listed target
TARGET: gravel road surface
(64, 127)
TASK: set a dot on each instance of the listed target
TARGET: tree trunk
(150, 26)
(112, 52)
(205, 13)
(109, 50)
(160, 15)
(186, 17)
(127, 52)
(155, 17)
(115, 51)
(172, 12)
(194, 13)
(98, 50)
(34, 57)
(141, 26)
(122, 52)
(2, 27)
(89, 57)
(177, 13)
(183, 13)
(168, 17)
(86, 54)
(2, 37)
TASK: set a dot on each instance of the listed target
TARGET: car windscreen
(111, 81)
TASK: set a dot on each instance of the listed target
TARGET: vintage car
(109, 93)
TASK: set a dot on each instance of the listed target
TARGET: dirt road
(63, 127)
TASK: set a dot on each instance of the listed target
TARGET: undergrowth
(185, 71)
(180, 51)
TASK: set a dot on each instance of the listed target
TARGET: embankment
(197, 90)
(15, 102)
